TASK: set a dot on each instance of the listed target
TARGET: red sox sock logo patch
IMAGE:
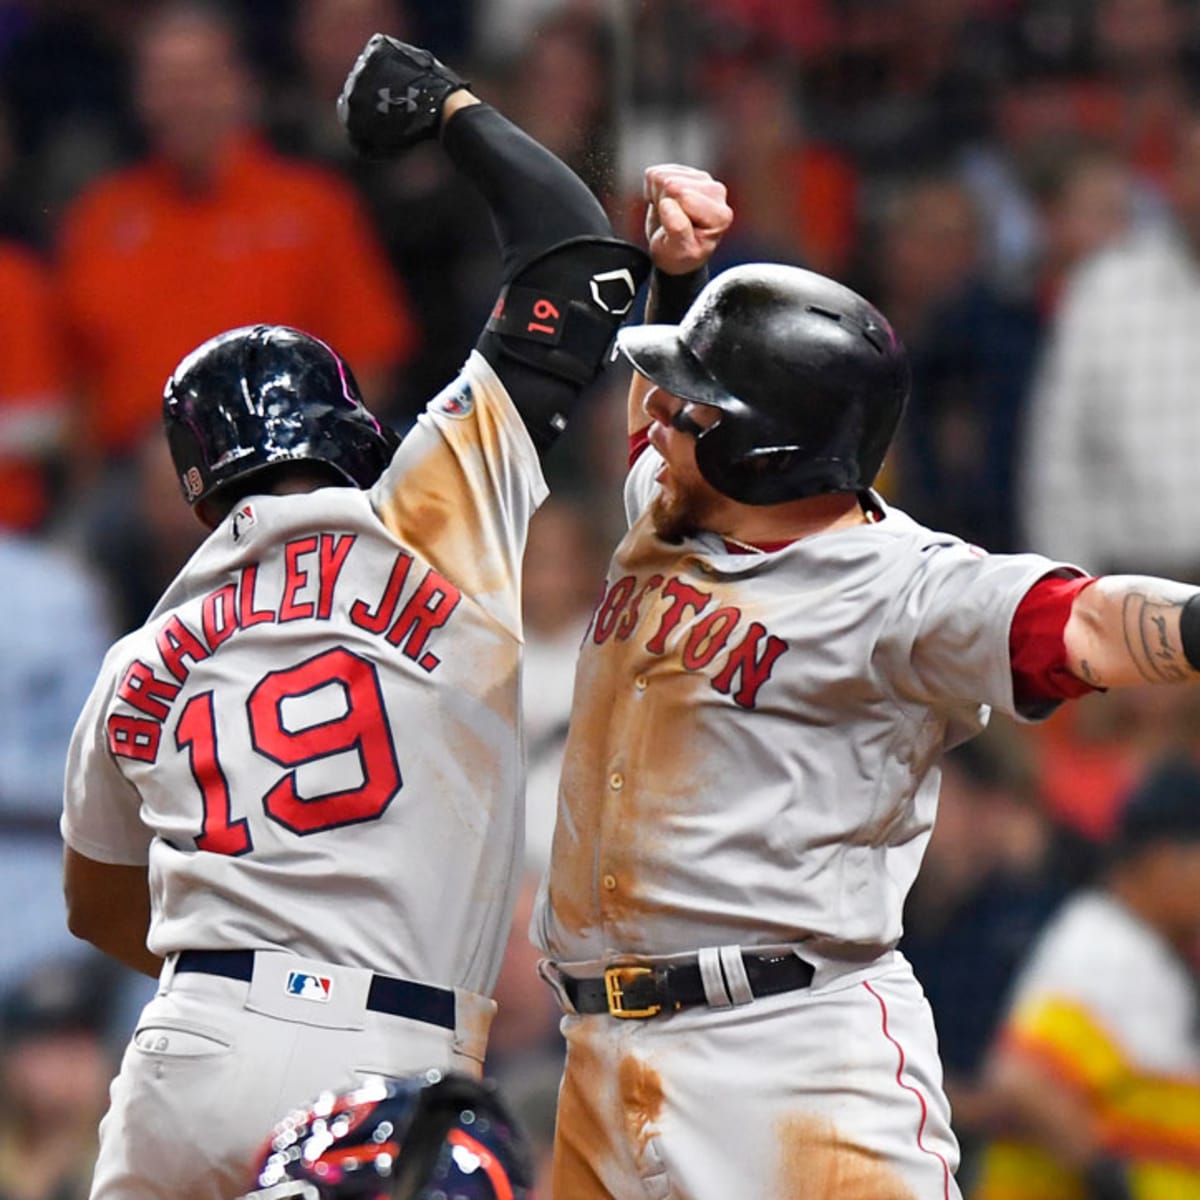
(456, 401)
(309, 987)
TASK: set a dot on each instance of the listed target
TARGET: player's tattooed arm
(1132, 629)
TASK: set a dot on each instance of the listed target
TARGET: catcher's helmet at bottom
(251, 398)
(431, 1136)
(810, 380)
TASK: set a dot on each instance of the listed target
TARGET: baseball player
(294, 794)
(775, 665)
(429, 1136)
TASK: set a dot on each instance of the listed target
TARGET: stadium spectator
(65, 77)
(995, 870)
(972, 350)
(54, 1072)
(54, 629)
(1084, 196)
(1114, 430)
(438, 235)
(210, 231)
(33, 403)
(796, 196)
(1098, 1068)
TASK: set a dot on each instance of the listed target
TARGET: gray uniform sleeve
(946, 640)
(101, 809)
(462, 488)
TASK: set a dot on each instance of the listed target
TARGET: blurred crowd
(1015, 183)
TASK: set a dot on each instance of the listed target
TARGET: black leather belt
(633, 990)
(397, 997)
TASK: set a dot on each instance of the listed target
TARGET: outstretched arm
(568, 282)
(1134, 629)
(686, 217)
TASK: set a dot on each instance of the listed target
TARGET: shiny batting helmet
(809, 378)
(432, 1136)
(254, 397)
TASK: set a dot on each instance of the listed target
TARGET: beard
(678, 513)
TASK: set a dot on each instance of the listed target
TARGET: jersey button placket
(608, 880)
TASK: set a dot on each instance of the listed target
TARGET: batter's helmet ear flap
(809, 378)
(252, 398)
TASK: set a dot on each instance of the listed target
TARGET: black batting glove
(393, 97)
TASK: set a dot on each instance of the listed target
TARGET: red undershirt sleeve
(1036, 646)
(638, 442)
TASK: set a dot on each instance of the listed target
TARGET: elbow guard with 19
(558, 316)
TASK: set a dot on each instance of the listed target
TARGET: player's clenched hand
(393, 97)
(686, 217)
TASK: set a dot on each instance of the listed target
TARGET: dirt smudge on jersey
(436, 503)
(817, 1163)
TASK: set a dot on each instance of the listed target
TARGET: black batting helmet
(431, 1136)
(254, 397)
(810, 380)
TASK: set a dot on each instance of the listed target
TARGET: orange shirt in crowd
(32, 398)
(149, 271)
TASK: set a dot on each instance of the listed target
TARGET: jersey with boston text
(753, 749)
(323, 711)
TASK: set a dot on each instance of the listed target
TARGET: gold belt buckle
(614, 979)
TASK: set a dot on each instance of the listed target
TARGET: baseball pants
(214, 1062)
(826, 1093)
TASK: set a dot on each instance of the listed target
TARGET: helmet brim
(657, 353)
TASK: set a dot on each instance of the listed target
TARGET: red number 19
(544, 311)
(363, 729)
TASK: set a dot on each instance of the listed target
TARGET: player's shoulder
(260, 528)
(896, 533)
(474, 398)
(136, 645)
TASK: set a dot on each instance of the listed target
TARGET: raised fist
(393, 97)
(686, 216)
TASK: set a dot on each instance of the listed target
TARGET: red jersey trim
(1036, 646)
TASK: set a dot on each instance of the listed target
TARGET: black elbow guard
(560, 311)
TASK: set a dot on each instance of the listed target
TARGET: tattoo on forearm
(1158, 658)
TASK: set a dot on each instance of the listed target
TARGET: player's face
(686, 502)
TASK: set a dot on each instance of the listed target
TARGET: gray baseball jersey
(323, 711)
(752, 755)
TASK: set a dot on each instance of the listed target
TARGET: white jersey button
(610, 883)
(616, 781)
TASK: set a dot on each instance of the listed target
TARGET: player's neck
(789, 522)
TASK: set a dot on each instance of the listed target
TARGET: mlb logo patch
(309, 987)
(243, 521)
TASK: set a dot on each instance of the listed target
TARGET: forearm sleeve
(567, 282)
(536, 200)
